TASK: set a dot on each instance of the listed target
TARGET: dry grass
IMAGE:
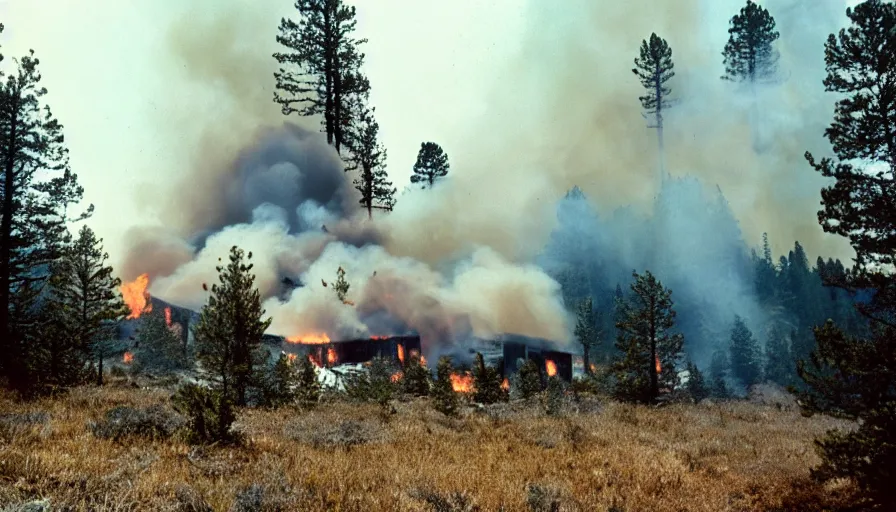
(737, 457)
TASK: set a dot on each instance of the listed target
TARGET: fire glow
(310, 339)
(136, 296)
(659, 368)
(331, 356)
(550, 367)
(128, 358)
(400, 353)
(462, 383)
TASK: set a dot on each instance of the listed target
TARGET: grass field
(600, 456)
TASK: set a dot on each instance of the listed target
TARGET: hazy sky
(111, 70)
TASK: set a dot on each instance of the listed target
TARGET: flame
(401, 353)
(462, 383)
(593, 367)
(331, 356)
(379, 337)
(315, 361)
(128, 358)
(659, 368)
(310, 339)
(168, 317)
(505, 384)
(136, 296)
(423, 360)
(395, 377)
(291, 358)
(550, 367)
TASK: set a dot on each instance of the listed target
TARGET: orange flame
(550, 367)
(331, 356)
(315, 361)
(423, 360)
(379, 337)
(128, 358)
(505, 384)
(168, 317)
(291, 358)
(401, 353)
(462, 383)
(395, 377)
(136, 297)
(310, 339)
(659, 368)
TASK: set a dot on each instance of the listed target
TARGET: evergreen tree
(280, 383)
(650, 351)
(745, 355)
(341, 287)
(308, 387)
(159, 348)
(85, 296)
(416, 378)
(855, 377)
(444, 397)
(749, 54)
(486, 382)
(368, 157)
(325, 66)
(654, 69)
(230, 328)
(779, 363)
(696, 385)
(431, 165)
(586, 330)
(718, 371)
(529, 379)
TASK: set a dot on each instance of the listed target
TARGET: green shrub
(210, 415)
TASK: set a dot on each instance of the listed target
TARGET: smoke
(455, 261)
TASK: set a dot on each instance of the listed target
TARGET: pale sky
(107, 66)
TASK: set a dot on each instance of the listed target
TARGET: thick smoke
(454, 261)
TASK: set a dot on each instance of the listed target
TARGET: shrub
(279, 383)
(375, 385)
(308, 387)
(696, 386)
(542, 499)
(553, 396)
(210, 414)
(155, 422)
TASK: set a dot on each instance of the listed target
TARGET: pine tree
(654, 69)
(855, 377)
(368, 157)
(431, 165)
(696, 385)
(650, 351)
(745, 356)
(529, 379)
(159, 348)
(281, 383)
(444, 397)
(86, 296)
(341, 287)
(230, 328)
(37, 188)
(586, 331)
(779, 363)
(749, 54)
(486, 382)
(326, 66)
(416, 377)
(308, 387)
(718, 371)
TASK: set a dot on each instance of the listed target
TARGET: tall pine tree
(779, 363)
(323, 66)
(855, 377)
(654, 68)
(749, 54)
(650, 350)
(37, 187)
(431, 165)
(718, 373)
(85, 297)
(746, 363)
(368, 157)
(230, 327)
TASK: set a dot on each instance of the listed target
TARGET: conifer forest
(323, 255)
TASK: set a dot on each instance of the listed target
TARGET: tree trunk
(12, 367)
(654, 381)
(586, 359)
